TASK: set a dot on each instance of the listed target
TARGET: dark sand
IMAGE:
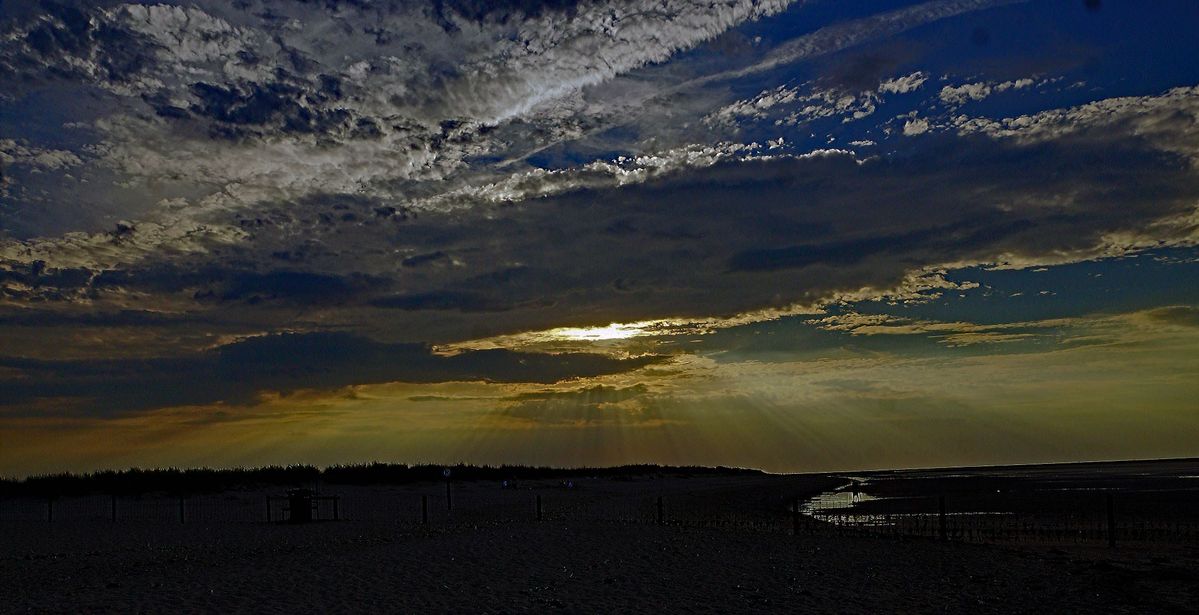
(491, 556)
(576, 567)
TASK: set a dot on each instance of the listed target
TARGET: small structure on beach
(303, 506)
(300, 505)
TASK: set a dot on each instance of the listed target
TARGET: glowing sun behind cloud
(613, 331)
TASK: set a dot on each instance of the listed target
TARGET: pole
(539, 507)
(944, 535)
(424, 510)
(1111, 521)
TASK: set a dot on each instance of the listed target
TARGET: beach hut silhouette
(299, 505)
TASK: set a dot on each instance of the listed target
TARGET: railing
(1044, 518)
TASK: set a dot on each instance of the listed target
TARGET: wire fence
(1036, 517)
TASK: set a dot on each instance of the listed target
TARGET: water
(840, 499)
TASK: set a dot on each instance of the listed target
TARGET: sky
(790, 235)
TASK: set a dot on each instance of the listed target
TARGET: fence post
(181, 517)
(661, 512)
(424, 510)
(539, 507)
(1111, 521)
(795, 517)
(941, 531)
(114, 507)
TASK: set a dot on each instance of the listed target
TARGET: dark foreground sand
(537, 567)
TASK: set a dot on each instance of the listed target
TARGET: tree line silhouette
(209, 480)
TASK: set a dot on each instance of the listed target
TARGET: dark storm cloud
(295, 286)
(441, 300)
(778, 231)
(286, 107)
(967, 233)
(860, 224)
(229, 286)
(205, 283)
(238, 372)
(28, 317)
(300, 98)
(424, 259)
(342, 72)
(35, 275)
(503, 10)
(62, 40)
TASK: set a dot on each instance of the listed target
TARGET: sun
(616, 336)
(614, 331)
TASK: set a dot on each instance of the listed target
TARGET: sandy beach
(726, 545)
(572, 567)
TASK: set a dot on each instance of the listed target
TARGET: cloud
(587, 406)
(915, 126)
(240, 372)
(947, 333)
(1181, 315)
(296, 109)
(597, 175)
(792, 106)
(444, 300)
(844, 35)
(22, 153)
(903, 85)
(644, 106)
(834, 254)
(131, 243)
(655, 237)
(51, 41)
(596, 394)
(1164, 122)
(421, 260)
(466, 176)
(956, 96)
(209, 108)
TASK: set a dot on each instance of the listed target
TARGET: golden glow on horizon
(1117, 387)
